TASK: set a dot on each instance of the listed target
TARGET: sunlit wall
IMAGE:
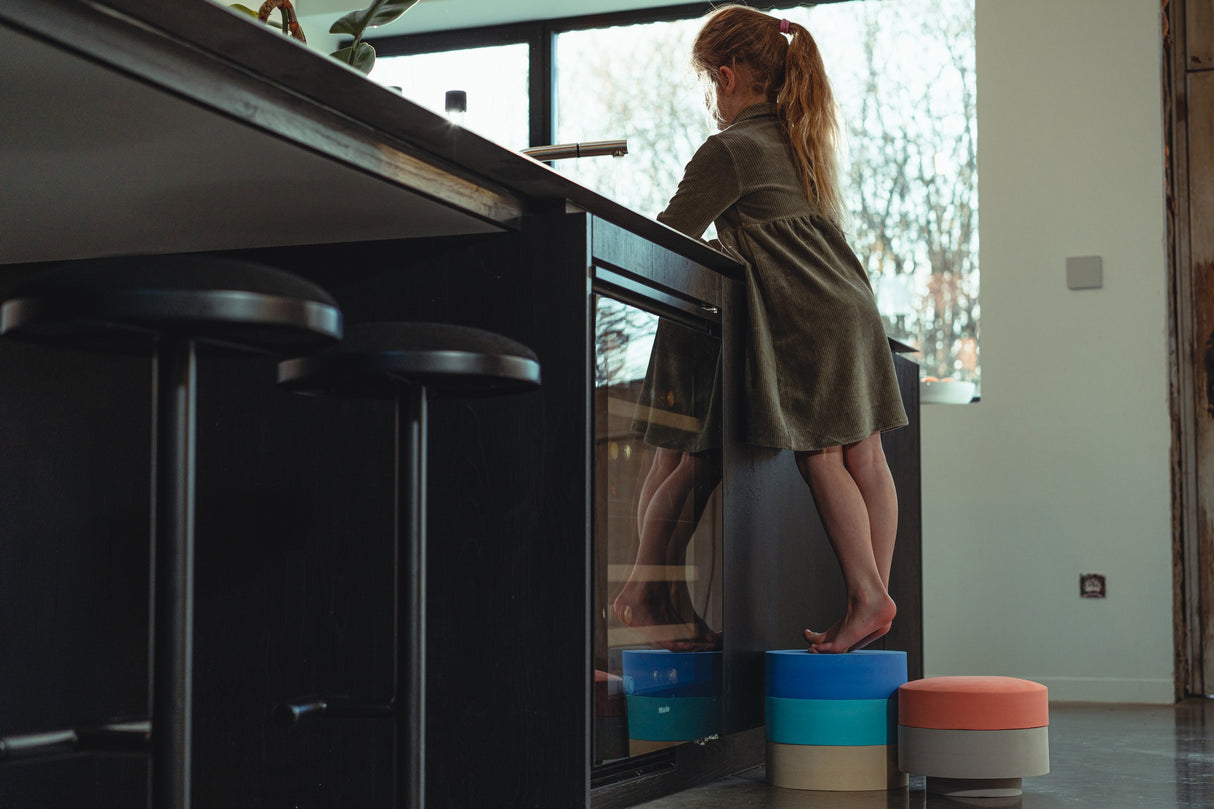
(1063, 468)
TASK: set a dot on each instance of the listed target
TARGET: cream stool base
(829, 768)
(639, 747)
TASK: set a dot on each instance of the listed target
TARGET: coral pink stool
(974, 736)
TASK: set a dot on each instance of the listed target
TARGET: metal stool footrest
(132, 737)
(298, 712)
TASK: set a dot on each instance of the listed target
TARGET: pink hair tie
(784, 26)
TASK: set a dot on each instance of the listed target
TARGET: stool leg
(410, 594)
(172, 620)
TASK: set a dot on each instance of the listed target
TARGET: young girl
(819, 378)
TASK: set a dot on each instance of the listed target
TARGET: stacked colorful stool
(974, 736)
(672, 697)
(831, 720)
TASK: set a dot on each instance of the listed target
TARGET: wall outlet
(1091, 585)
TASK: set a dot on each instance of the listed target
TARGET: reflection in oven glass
(657, 539)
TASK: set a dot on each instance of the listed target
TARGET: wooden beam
(1201, 267)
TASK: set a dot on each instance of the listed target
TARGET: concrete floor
(1101, 757)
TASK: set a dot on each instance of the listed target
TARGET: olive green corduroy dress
(818, 369)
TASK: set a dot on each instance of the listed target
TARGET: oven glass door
(658, 630)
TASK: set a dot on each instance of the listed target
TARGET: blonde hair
(790, 73)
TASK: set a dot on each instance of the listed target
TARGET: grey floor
(1101, 757)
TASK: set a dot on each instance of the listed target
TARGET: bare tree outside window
(903, 76)
(631, 82)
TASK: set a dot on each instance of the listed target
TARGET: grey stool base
(975, 787)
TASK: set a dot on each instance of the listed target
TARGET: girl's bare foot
(648, 611)
(636, 607)
(817, 638)
(660, 624)
(863, 624)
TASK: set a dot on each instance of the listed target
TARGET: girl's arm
(709, 186)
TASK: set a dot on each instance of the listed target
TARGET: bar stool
(169, 308)
(407, 363)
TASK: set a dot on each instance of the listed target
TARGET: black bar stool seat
(408, 363)
(374, 360)
(128, 305)
(168, 308)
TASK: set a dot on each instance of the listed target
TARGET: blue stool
(832, 719)
(672, 697)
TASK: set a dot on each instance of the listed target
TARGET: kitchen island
(142, 127)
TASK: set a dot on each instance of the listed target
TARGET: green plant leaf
(360, 58)
(380, 12)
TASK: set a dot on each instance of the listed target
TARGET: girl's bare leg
(664, 463)
(661, 467)
(706, 477)
(645, 600)
(855, 496)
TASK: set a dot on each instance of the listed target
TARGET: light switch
(1084, 272)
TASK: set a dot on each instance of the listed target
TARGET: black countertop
(150, 126)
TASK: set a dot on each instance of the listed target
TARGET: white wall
(1063, 467)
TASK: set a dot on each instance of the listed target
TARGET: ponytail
(790, 73)
(806, 109)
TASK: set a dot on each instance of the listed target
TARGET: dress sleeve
(709, 186)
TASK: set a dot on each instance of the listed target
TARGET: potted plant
(358, 54)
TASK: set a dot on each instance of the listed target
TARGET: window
(632, 82)
(495, 79)
(903, 76)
